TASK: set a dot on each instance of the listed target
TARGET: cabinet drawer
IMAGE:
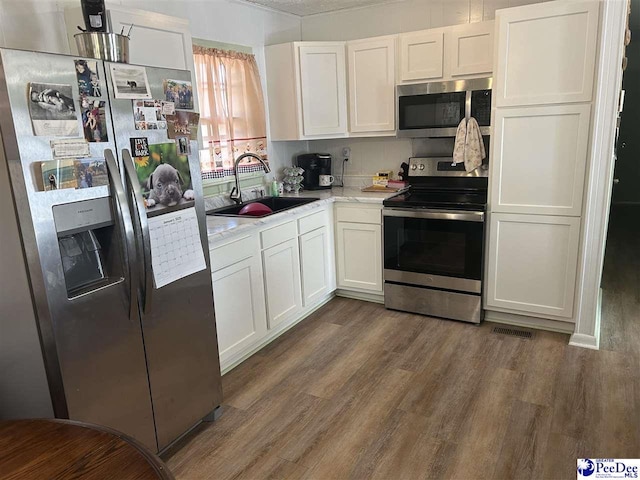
(233, 252)
(313, 221)
(359, 215)
(279, 234)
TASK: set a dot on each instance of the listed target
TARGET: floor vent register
(513, 332)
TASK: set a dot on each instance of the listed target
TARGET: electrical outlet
(346, 152)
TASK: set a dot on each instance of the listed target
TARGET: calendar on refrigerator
(176, 250)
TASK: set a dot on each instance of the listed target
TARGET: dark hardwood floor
(356, 391)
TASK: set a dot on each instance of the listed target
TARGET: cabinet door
(546, 53)
(421, 55)
(315, 263)
(323, 89)
(539, 159)
(532, 264)
(282, 281)
(372, 85)
(238, 295)
(359, 252)
(470, 49)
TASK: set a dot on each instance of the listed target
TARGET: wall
(225, 21)
(369, 155)
(398, 17)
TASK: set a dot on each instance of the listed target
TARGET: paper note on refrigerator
(176, 250)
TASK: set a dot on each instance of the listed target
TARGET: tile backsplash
(368, 155)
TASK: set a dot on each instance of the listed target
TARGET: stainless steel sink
(277, 204)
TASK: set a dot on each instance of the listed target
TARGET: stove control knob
(421, 167)
(414, 166)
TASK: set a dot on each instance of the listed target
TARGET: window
(232, 113)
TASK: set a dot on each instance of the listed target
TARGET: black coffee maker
(314, 165)
(94, 14)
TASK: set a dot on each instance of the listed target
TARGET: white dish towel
(469, 147)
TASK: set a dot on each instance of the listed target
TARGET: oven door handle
(434, 214)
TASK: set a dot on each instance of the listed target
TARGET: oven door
(434, 248)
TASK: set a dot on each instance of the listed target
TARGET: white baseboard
(529, 322)
(584, 341)
(367, 297)
(590, 341)
(235, 360)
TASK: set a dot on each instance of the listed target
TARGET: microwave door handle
(126, 228)
(133, 184)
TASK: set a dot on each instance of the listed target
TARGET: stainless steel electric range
(434, 241)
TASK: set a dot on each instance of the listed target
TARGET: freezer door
(178, 319)
(89, 328)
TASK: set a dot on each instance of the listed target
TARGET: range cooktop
(435, 182)
(472, 200)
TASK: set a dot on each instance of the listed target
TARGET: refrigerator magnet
(52, 110)
(130, 82)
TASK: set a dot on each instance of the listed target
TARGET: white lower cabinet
(241, 317)
(282, 281)
(315, 263)
(532, 264)
(359, 256)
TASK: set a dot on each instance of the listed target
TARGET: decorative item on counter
(293, 179)
(380, 181)
(275, 190)
(404, 170)
(382, 177)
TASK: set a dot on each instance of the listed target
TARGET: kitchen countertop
(223, 227)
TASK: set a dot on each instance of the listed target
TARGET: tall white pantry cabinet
(545, 57)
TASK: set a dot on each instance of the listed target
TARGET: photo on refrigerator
(165, 177)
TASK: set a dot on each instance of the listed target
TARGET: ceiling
(311, 7)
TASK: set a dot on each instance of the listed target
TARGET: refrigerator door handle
(126, 226)
(133, 184)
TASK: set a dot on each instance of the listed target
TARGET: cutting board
(374, 188)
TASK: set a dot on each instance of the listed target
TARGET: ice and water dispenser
(89, 244)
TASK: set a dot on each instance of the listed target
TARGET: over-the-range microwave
(435, 109)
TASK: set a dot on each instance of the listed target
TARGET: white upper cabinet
(449, 53)
(323, 89)
(532, 264)
(469, 49)
(539, 159)
(307, 90)
(371, 65)
(546, 53)
(421, 55)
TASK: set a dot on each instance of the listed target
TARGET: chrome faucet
(236, 193)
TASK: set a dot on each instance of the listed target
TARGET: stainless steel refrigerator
(117, 349)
